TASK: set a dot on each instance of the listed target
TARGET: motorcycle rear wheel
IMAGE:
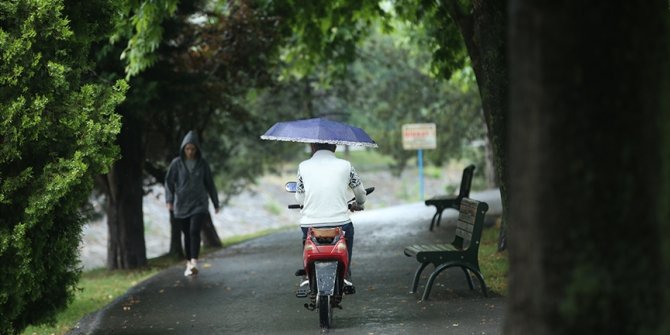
(325, 311)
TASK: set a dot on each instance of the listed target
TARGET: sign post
(419, 136)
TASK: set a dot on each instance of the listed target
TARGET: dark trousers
(348, 237)
(190, 227)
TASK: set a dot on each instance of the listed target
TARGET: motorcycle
(325, 264)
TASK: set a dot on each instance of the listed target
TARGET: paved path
(249, 288)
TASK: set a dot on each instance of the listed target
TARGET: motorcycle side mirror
(291, 186)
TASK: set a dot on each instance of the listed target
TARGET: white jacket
(325, 184)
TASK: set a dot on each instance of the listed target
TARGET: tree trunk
(484, 31)
(125, 247)
(208, 234)
(489, 167)
(586, 199)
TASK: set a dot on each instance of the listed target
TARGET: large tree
(57, 127)
(588, 159)
(190, 64)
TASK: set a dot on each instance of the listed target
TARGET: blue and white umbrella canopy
(319, 130)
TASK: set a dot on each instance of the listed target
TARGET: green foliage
(273, 207)
(392, 83)
(57, 131)
(327, 32)
(281, 102)
(324, 34)
(246, 156)
(366, 160)
(140, 24)
(440, 34)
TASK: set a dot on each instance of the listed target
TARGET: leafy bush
(57, 130)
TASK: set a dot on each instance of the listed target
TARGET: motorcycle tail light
(341, 247)
(309, 247)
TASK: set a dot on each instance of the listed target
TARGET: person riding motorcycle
(324, 183)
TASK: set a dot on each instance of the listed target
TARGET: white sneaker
(348, 283)
(194, 270)
(191, 270)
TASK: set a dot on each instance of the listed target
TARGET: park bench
(462, 252)
(442, 202)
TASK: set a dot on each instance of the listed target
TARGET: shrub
(57, 131)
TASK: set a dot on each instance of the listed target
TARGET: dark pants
(348, 237)
(190, 226)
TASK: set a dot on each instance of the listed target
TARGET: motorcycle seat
(326, 232)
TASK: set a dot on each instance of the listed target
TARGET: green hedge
(57, 131)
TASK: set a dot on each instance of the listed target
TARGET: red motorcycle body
(326, 261)
(323, 245)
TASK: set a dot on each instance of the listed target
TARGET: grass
(273, 207)
(494, 264)
(99, 287)
(432, 171)
(366, 160)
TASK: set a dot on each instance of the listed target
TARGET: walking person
(188, 188)
(323, 189)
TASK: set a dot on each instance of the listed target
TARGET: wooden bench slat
(465, 226)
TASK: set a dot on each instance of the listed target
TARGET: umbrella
(319, 130)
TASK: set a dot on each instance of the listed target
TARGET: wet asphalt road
(249, 289)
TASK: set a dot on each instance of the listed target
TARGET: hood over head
(190, 137)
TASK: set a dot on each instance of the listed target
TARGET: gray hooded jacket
(188, 190)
